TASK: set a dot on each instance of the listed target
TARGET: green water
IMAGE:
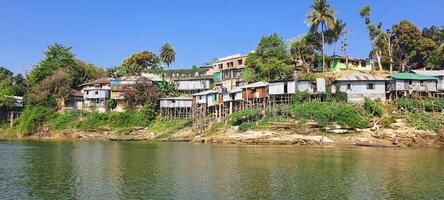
(119, 170)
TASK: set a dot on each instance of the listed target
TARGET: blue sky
(105, 32)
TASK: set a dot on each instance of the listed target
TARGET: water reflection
(109, 170)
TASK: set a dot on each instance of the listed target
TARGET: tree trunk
(390, 54)
(378, 57)
(334, 48)
(323, 48)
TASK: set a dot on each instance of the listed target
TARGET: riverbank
(273, 133)
(403, 123)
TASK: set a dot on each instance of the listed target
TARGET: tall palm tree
(167, 54)
(321, 15)
(337, 32)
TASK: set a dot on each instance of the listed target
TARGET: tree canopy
(321, 15)
(167, 54)
(145, 59)
(270, 61)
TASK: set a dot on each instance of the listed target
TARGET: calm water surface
(120, 170)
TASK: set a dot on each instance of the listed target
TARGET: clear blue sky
(105, 32)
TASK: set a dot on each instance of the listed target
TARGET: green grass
(166, 128)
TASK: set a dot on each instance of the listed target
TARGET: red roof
(99, 81)
(75, 93)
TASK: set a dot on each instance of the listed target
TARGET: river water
(140, 170)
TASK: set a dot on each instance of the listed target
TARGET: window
(349, 86)
(97, 92)
(370, 86)
(87, 92)
(239, 61)
(285, 88)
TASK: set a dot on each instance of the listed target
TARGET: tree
(5, 73)
(111, 104)
(53, 89)
(410, 47)
(143, 92)
(321, 15)
(11, 85)
(167, 54)
(270, 61)
(336, 33)
(56, 57)
(375, 34)
(145, 59)
(303, 52)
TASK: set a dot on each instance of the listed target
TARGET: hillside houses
(175, 107)
(228, 71)
(192, 85)
(95, 94)
(359, 85)
(8, 113)
(405, 84)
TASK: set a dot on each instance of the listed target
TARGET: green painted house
(338, 63)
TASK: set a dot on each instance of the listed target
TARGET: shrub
(300, 97)
(64, 121)
(94, 121)
(325, 113)
(148, 112)
(428, 105)
(245, 126)
(32, 118)
(340, 96)
(129, 118)
(372, 107)
(237, 118)
(111, 104)
(425, 121)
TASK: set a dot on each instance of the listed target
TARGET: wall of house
(232, 96)
(304, 86)
(278, 88)
(414, 85)
(251, 93)
(97, 94)
(193, 84)
(440, 85)
(339, 64)
(359, 90)
(176, 103)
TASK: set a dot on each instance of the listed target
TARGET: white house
(234, 95)
(208, 98)
(283, 87)
(359, 85)
(192, 85)
(439, 74)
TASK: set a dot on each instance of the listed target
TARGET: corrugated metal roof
(430, 72)
(360, 77)
(255, 85)
(412, 76)
(206, 93)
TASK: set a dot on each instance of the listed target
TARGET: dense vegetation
(326, 113)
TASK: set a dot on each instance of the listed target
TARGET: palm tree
(320, 14)
(337, 32)
(167, 54)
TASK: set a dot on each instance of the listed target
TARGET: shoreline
(389, 137)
